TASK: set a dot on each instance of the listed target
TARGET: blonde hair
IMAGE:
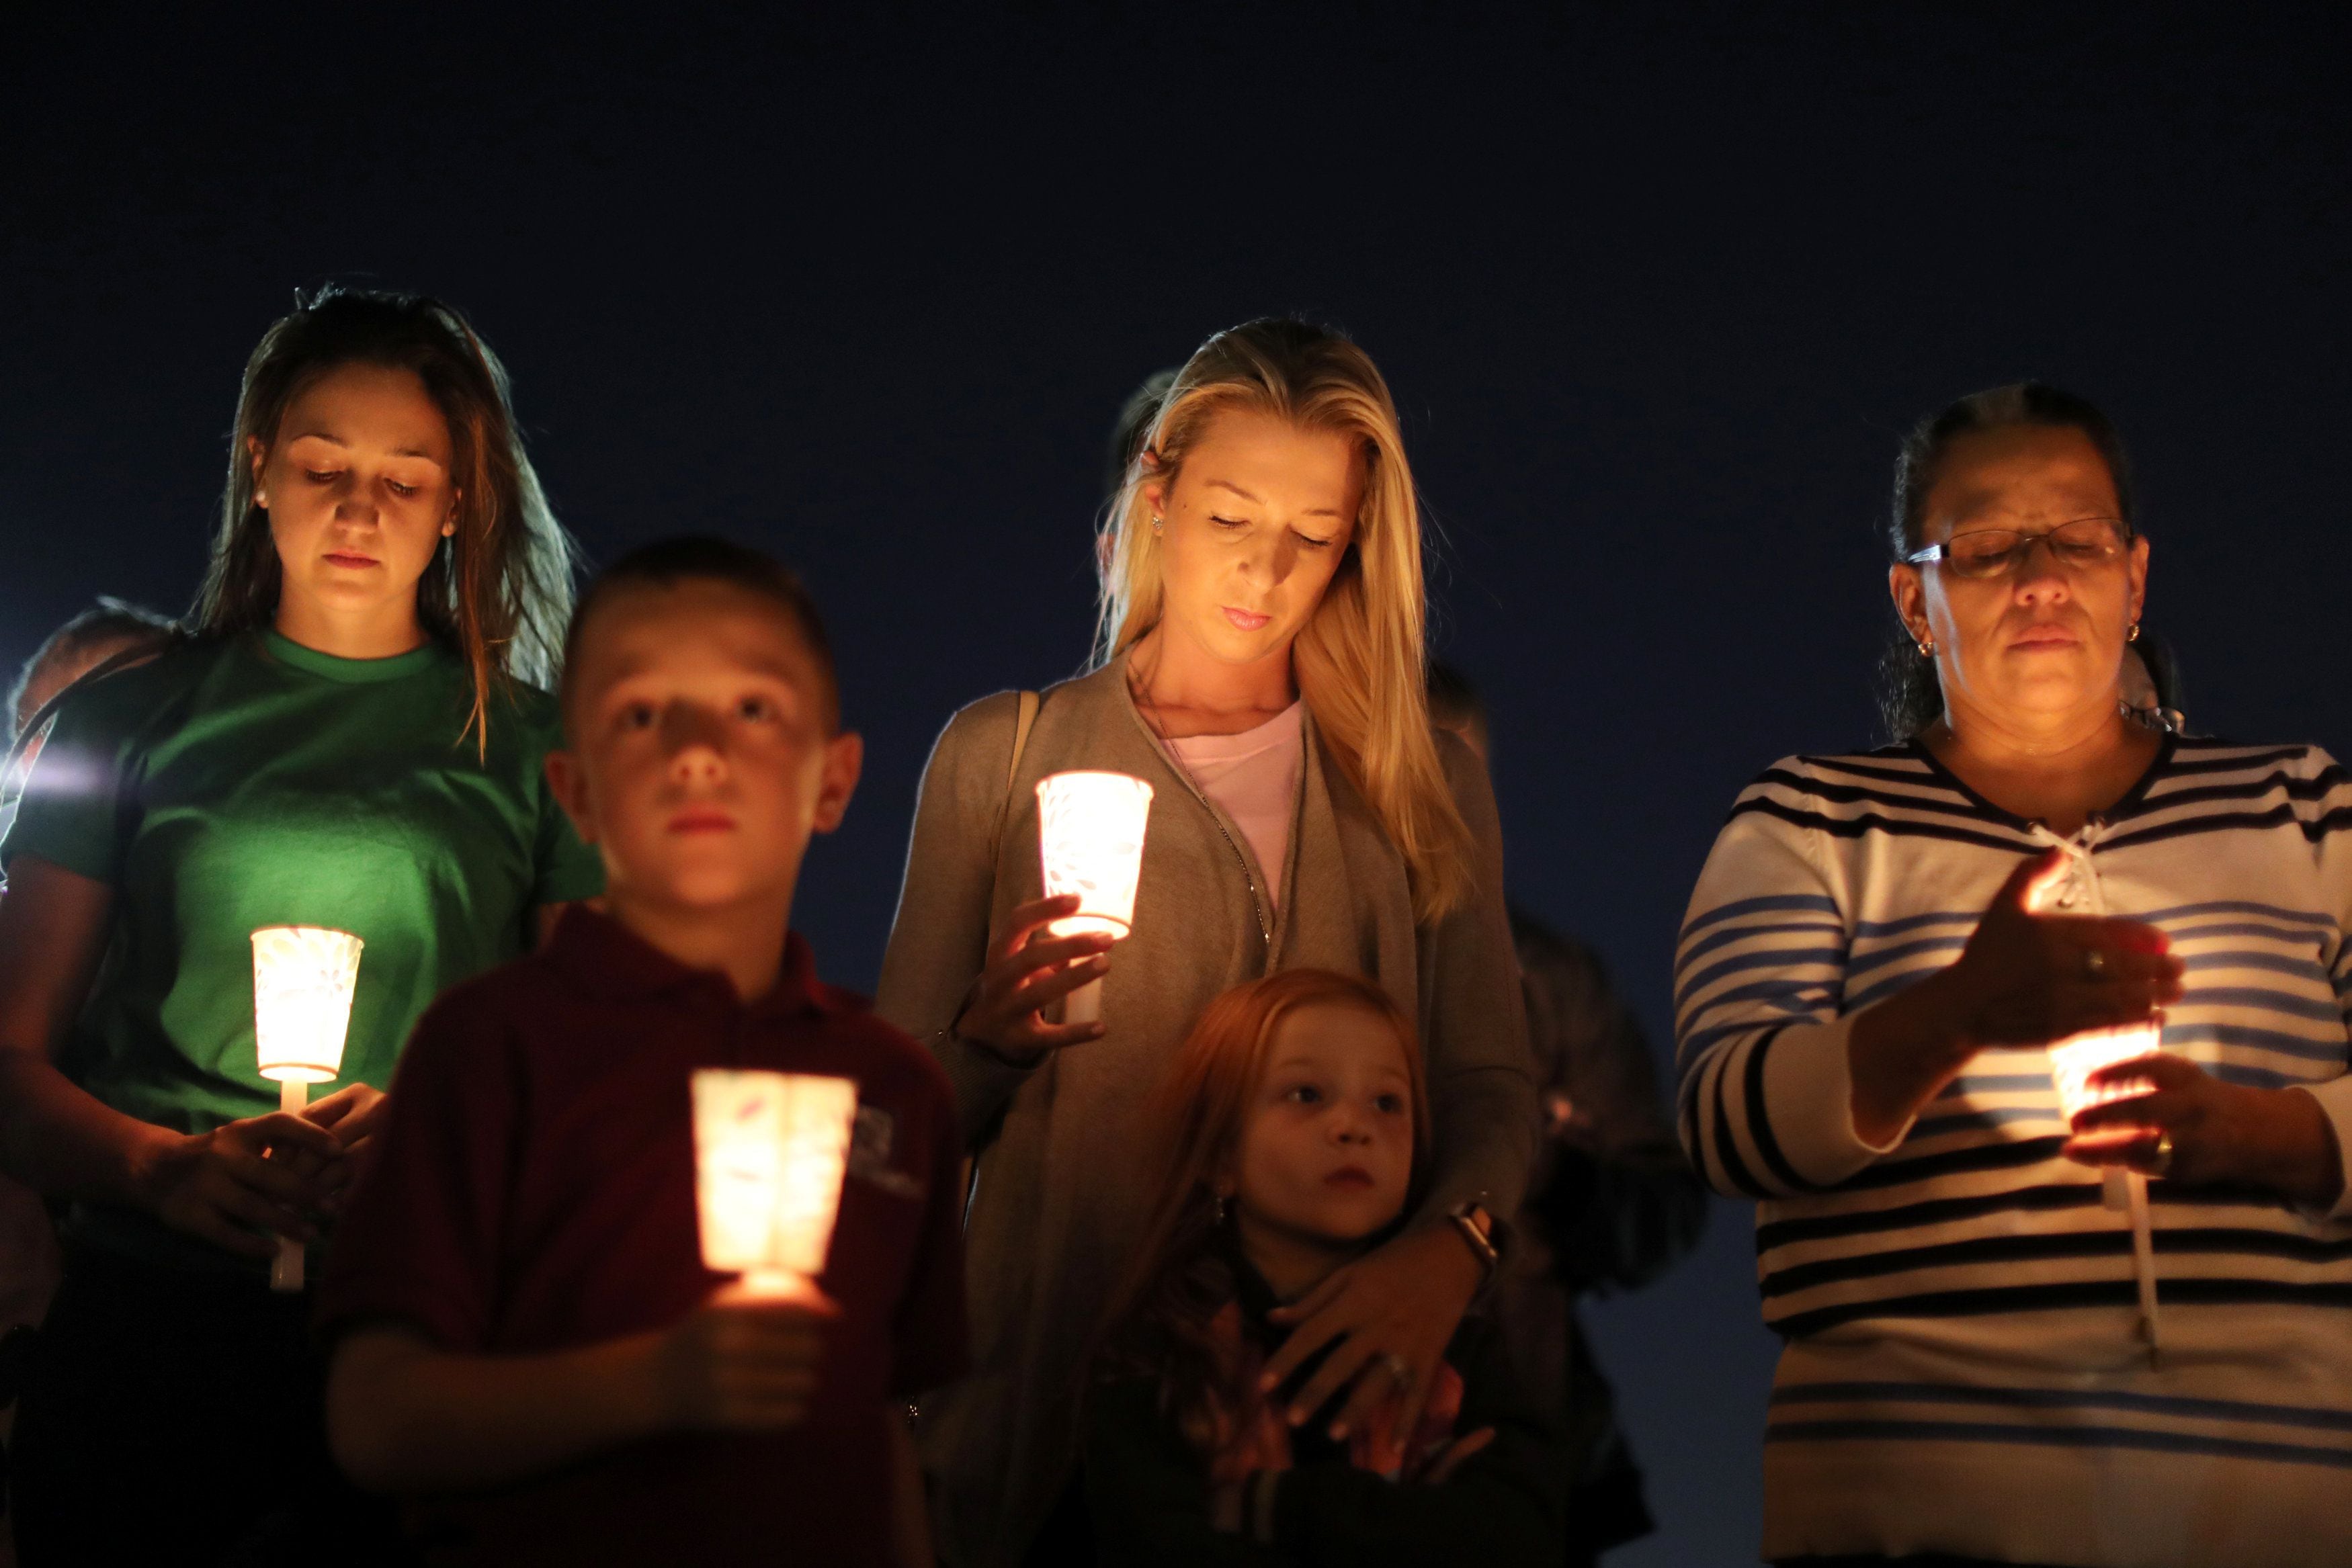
(1359, 659)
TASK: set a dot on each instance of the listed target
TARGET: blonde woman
(1260, 664)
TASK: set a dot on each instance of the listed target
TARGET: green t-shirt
(246, 781)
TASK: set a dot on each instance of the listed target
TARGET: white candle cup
(2075, 1058)
(770, 1149)
(302, 982)
(303, 976)
(1090, 831)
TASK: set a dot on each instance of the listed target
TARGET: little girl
(1293, 1134)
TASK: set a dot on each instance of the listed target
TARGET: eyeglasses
(1996, 552)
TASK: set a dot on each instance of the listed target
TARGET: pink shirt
(1253, 778)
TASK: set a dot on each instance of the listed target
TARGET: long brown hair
(1158, 1321)
(1358, 660)
(498, 591)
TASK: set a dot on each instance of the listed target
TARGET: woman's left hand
(2275, 1138)
(1387, 1317)
(353, 1114)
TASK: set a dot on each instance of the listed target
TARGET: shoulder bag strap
(1024, 718)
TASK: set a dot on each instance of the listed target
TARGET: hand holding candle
(2083, 1063)
(746, 1359)
(770, 1151)
(1032, 971)
(303, 976)
(2079, 1060)
(2030, 973)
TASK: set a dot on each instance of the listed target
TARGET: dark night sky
(1657, 289)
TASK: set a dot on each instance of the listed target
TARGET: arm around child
(1497, 1494)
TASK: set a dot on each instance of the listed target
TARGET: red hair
(1159, 1320)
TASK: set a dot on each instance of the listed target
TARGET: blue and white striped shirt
(1962, 1370)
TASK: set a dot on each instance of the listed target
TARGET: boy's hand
(242, 1179)
(354, 1114)
(744, 1361)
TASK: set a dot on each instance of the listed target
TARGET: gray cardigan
(1061, 1187)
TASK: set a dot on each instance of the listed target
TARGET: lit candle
(769, 1152)
(302, 982)
(2073, 1061)
(1090, 831)
(2075, 1058)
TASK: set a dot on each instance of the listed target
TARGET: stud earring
(2132, 635)
(1221, 1208)
(1155, 525)
(1926, 647)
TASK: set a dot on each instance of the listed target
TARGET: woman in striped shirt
(1996, 1350)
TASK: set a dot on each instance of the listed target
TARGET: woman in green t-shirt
(351, 738)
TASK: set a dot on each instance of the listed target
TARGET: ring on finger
(1399, 1369)
(2095, 964)
(2164, 1152)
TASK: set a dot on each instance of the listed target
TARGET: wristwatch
(1477, 1230)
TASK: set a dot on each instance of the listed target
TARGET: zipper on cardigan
(1167, 750)
(1249, 878)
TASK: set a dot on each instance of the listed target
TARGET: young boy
(527, 1344)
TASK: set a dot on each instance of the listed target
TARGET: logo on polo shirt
(871, 1139)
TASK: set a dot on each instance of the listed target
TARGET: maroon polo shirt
(534, 1191)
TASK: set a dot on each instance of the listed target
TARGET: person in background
(2151, 692)
(1293, 1134)
(526, 1342)
(1260, 666)
(107, 630)
(1128, 433)
(1132, 429)
(1611, 1202)
(349, 737)
(1991, 1351)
